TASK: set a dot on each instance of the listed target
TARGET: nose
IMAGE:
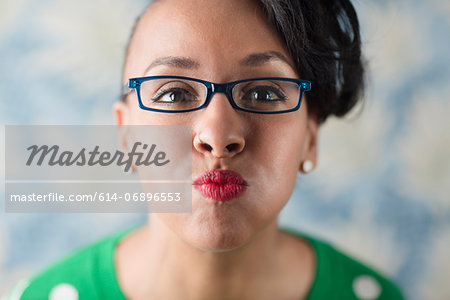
(219, 129)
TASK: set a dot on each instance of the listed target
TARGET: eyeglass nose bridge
(224, 88)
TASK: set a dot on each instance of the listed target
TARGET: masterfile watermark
(94, 157)
(103, 168)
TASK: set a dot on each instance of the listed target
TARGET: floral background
(382, 188)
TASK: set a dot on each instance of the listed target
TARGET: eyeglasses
(177, 94)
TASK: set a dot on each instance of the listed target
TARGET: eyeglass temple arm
(128, 88)
(306, 85)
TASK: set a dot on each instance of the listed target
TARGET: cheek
(276, 152)
(138, 116)
(277, 148)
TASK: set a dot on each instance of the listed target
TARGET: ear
(311, 142)
(121, 113)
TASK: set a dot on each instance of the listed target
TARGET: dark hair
(322, 37)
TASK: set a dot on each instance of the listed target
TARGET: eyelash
(165, 91)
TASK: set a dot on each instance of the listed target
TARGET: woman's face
(222, 41)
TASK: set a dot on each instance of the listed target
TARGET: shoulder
(85, 274)
(339, 276)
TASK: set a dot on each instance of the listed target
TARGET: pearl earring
(307, 166)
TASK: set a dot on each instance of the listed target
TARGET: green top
(90, 274)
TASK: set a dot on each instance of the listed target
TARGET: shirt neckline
(111, 287)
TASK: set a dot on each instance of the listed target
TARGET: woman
(250, 137)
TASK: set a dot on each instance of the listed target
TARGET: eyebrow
(258, 59)
(251, 60)
(174, 61)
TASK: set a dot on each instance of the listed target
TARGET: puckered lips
(220, 185)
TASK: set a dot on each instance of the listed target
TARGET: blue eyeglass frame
(212, 88)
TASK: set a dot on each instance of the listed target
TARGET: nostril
(232, 147)
(207, 147)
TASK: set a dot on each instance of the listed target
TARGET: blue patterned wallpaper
(382, 188)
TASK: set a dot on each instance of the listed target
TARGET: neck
(205, 274)
(165, 261)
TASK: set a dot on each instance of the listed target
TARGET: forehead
(213, 33)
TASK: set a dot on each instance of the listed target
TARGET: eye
(173, 95)
(263, 94)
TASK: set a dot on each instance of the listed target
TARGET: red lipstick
(220, 185)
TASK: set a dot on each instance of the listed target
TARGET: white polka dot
(18, 290)
(63, 291)
(366, 287)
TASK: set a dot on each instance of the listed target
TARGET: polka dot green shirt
(90, 274)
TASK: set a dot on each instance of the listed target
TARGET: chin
(215, 227)
(218, 242)
(213, 236)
